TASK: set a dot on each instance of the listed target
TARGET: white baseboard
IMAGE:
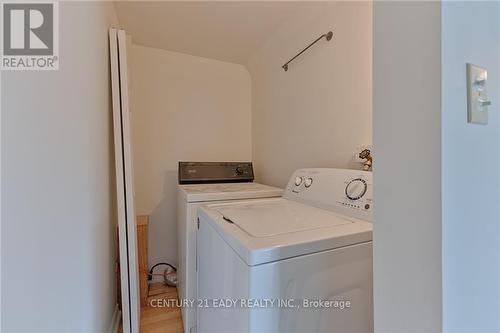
(115, 320)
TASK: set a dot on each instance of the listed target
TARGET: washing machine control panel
(349, 192)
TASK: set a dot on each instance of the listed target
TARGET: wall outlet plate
(477, 95)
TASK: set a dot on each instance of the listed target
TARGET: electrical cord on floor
(150, 275)
(145, 271)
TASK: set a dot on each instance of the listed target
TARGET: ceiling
(227, 31)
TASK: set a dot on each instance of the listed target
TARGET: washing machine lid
(228, 191)
(266, 230)
(276, 218)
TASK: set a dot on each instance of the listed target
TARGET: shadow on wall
(113, 223)
(162, 245)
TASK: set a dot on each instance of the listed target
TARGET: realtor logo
(29, 36)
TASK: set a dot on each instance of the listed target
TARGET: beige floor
(160, 319)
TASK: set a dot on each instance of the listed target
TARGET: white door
(129, 275)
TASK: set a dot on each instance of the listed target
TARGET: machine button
(308, 182)
(298, 181)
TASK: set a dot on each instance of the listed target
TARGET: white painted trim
(133, 263)
(1, 192)
(115, 320)
(129, 274)
(120, 197)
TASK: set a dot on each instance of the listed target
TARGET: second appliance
(201, 183)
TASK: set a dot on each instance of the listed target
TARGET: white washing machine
(300, 263)
(202, 183)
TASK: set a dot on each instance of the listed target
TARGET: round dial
(239, 171)
(298, 181)
(308, 182)
(355, 189)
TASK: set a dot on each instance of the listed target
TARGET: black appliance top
(215, 172)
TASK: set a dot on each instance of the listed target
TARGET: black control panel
(215, 172)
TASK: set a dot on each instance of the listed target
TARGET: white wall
(317, 113)
(58, 245)
(471, 182)
(184, 108)
(407, 168)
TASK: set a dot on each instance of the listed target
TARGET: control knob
(308, 182)
(356, 188)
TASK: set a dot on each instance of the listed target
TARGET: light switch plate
(477, 95)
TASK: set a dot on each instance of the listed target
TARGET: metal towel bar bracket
(328, 36)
